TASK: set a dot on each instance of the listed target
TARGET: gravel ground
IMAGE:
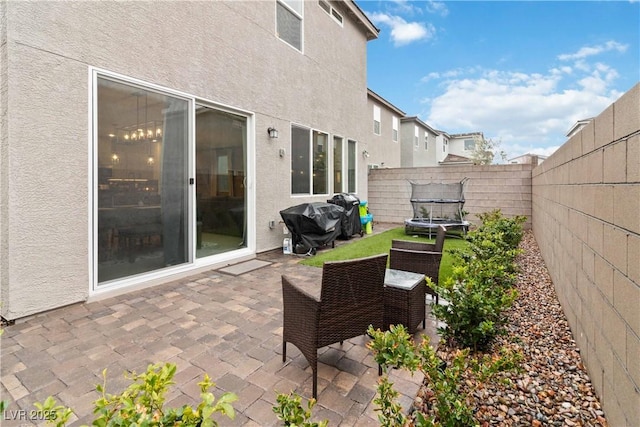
(553, 387)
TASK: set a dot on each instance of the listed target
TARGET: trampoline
(436, 204)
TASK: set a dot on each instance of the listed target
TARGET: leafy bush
(394, 349)
(473, 315)
(447, 393)
(142, 403)
(289, 410)
(481, 285)
(510, 228)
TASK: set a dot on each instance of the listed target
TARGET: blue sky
(520, 72)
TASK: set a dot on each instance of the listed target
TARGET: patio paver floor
(227, 326)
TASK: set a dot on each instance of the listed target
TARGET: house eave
(384, 102)
(354, 10)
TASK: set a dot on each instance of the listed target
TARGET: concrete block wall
(507, 187)
(586, 220)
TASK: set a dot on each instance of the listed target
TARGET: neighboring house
(413, 143)
(529, 158)
(453, 159)
(384, 148)
(421, 144)
(141, 141)
(464, 144)
(577, 126)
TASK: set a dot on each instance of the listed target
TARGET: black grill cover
(351, 221)
(313, 224)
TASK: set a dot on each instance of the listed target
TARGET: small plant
(390, 411)
(473, 315)
(393, 349)
(480, 287)
(290, 411)
(142, 403)
(447, 394)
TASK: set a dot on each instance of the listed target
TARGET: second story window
(331, 11)
(289, 22)
(469, 144)
(426, 141)
(416, 137)
(376, 120)
(394, 131)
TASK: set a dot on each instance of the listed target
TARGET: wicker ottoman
(404, 299)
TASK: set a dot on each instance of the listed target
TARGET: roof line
(385, 102)
(372, 30)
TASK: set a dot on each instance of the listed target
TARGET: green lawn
(375, 244)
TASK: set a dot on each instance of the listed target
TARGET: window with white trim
(469, 144)
(426, 141)
(416, 137)
(289, 22)
(309, 168)
(376, 120)
(331, 11)
(351, 165)
(394, 128)
(338, 173)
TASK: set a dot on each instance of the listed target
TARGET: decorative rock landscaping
(552, 388)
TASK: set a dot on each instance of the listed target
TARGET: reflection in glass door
(221, 200)
(142, 141)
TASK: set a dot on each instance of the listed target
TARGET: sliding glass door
(221, 141)
(142, 180)
(169, 189)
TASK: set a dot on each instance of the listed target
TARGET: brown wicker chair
(438, 246)
(423, 262)
(351, 299)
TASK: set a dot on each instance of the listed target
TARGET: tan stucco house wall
(227, 53)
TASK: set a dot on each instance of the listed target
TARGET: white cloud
(403, 32)
(587, 51)
(402, 7)
(526, 112)
(437, 7)
(449, 74)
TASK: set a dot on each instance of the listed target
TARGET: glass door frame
(250, 194)
(193, 263)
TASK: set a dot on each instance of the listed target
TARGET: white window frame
(345, 164)
(377, 124)
(193, 262)
(394, 128)
(465, 144)
(355, 166)
(332, 12)
(426, 141)
(416, 137)
(343, 151)
(287, 4)
(309, 171)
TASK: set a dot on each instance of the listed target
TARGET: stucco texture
(221, 53)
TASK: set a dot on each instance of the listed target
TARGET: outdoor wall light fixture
(273, 132)
(365, 154)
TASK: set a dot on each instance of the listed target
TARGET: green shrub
(510, 228)
(447, 394)
(290, 411)
(390, 411)
(142, 403)
(481, 285)
(473, 315)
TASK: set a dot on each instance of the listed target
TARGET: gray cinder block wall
(586, 220)
(583, 204)
(507, 187)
